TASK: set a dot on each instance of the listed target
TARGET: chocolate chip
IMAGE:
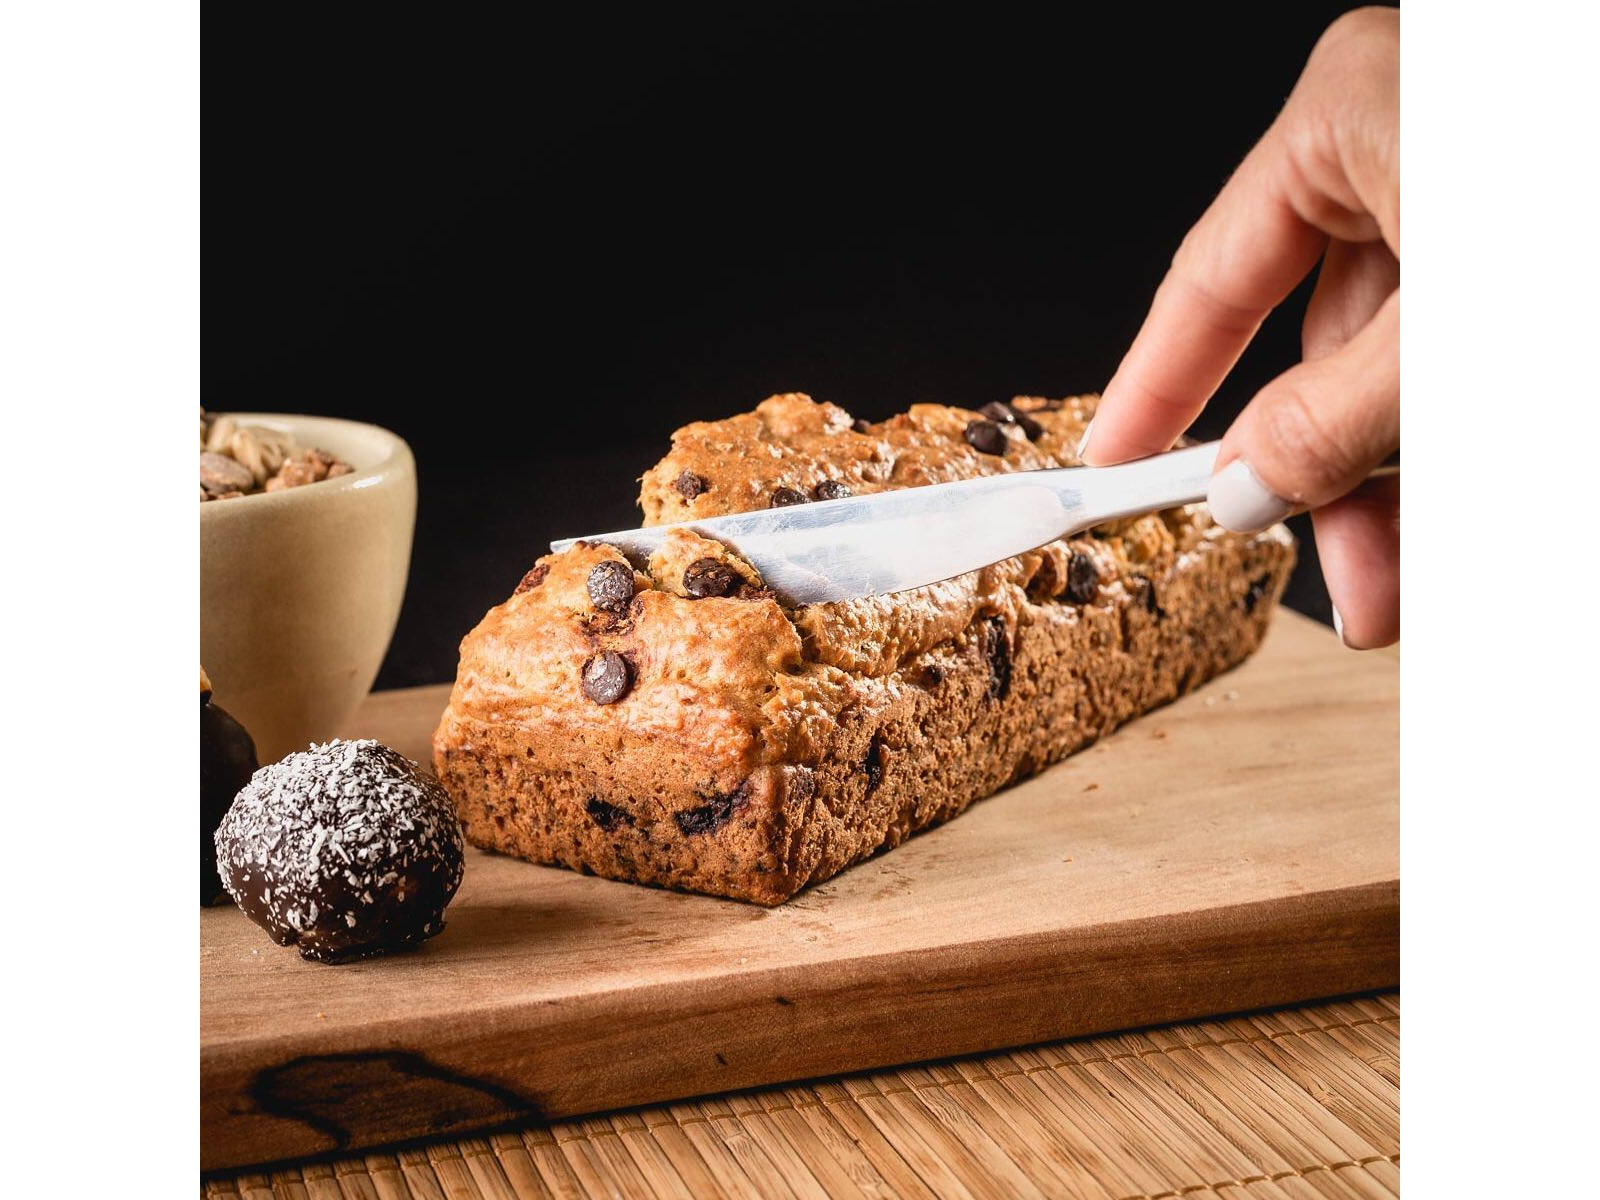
(832, 489)
(607, 677)
(932, 675)
(706, 577)
(1005, 414)
(785, 496)
(873, 766)
(1031, 429)
(1148, 599)
(860, 426)
(690, 485)
(985, 437)
(611, 585)
(708, 817)
(1083, 578)
(998, 651)
(607, 816)
(533, 578)
(1258, 589)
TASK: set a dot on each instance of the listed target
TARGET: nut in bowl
(300, 585)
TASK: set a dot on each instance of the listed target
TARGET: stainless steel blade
(910, 537)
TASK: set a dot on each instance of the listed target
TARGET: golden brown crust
(758, 749)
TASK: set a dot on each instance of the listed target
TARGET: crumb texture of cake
(697, 734)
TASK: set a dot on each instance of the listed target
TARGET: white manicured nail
(1338, 625)
(1083, 442)
(1240, 502)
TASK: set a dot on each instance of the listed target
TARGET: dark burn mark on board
(364, 1096)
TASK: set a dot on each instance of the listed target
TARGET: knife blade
(907, 538)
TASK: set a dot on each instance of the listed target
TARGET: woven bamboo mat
(1300, 1102)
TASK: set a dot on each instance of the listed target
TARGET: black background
(534, 249)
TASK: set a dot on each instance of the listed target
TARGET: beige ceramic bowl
(300, 589)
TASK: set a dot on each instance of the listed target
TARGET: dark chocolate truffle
(344, 850)
(227, 760)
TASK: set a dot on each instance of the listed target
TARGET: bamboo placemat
(1298, 1102)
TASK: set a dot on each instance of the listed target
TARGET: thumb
(1315, 432)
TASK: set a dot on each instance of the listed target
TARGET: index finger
(1236, 265)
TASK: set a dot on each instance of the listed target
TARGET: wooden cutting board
(1239, 848)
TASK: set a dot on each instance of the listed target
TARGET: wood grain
(1218, 1108)
(1235, 850)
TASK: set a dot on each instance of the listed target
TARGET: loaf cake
(670, 722)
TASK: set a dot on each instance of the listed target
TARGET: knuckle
(1313, 458)
(1359, 29)
(1355, 63)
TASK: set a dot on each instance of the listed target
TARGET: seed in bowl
(242, 460)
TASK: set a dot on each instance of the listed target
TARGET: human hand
(1323, 182)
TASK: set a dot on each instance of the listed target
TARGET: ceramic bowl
(300, 589)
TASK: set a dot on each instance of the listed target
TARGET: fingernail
(1338, 625)
(1238, 500)
(1083, 442)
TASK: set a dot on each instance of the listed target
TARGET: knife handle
(1151, 484)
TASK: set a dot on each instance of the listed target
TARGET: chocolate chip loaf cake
(670, 722)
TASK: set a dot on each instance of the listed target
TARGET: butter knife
(909, 537)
